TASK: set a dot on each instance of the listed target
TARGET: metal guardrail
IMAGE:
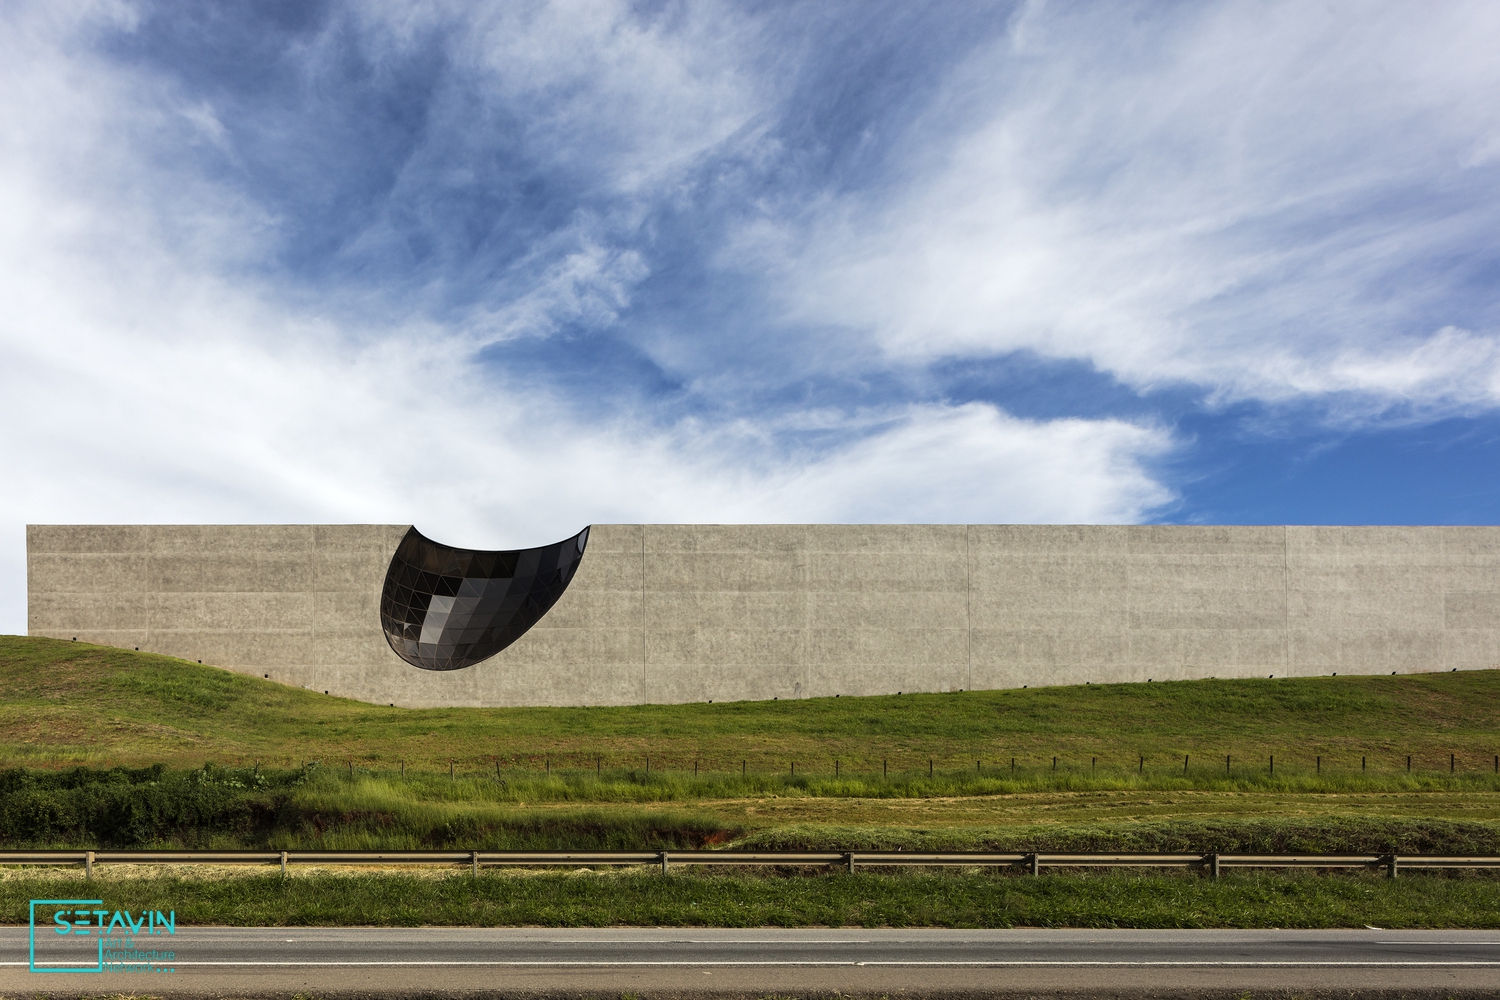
(1031, 862)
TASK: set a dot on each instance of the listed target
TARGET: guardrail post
(1390, 866)
(1033, 865)
(88, 864)
(474, 863)
(664, 862)
(849, 861)
(1211, 862)
(283, 864)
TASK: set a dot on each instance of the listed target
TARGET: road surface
(250, 961)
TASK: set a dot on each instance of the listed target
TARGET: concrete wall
(676, 613)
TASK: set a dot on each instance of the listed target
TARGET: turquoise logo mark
(114, 931)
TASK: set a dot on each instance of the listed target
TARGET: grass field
(73, 703)
(871, 899)
(223, 760)
(913, 769)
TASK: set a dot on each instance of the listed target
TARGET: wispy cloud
(505, 269)
(1266, 200)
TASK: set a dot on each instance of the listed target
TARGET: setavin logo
(86, 939)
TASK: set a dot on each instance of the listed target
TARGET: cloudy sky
(503, 270)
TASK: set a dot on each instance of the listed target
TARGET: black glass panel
(444, 608)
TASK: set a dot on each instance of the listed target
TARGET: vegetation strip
(850, 860)
(215, 808)
(728, 899)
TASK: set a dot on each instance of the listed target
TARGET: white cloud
(1271, 200)
(146, 375)
(973, 463)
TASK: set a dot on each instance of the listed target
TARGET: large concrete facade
(682, 613)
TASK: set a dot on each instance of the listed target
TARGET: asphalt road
(247, 961)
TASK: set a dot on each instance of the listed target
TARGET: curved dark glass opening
(444, 608)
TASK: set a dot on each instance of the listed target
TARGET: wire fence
(1188, 764)
(1030, 862)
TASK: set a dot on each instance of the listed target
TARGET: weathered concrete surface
(679, 613)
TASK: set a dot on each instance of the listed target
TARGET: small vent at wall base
(444, 608)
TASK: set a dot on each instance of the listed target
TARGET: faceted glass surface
(444, 608)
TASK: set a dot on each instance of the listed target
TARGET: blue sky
(502, 270)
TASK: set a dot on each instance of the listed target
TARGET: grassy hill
(222, 760)
(105, 747)
(67, 703)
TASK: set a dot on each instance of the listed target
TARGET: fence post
(695, 767)
(1362, 762)
(929, 767)
(1226, 765)
(885, 770)
(1012, 767)
(1054, 763)
(742, 770)
(1320, 764)
(450, 768)
(1273, 763)
(1143, 765)
(1184, 764)
(1452, 762)
(548, 761)
(1408, 763)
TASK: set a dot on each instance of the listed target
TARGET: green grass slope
(738, 899)
(68, 703)
(220, 759)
